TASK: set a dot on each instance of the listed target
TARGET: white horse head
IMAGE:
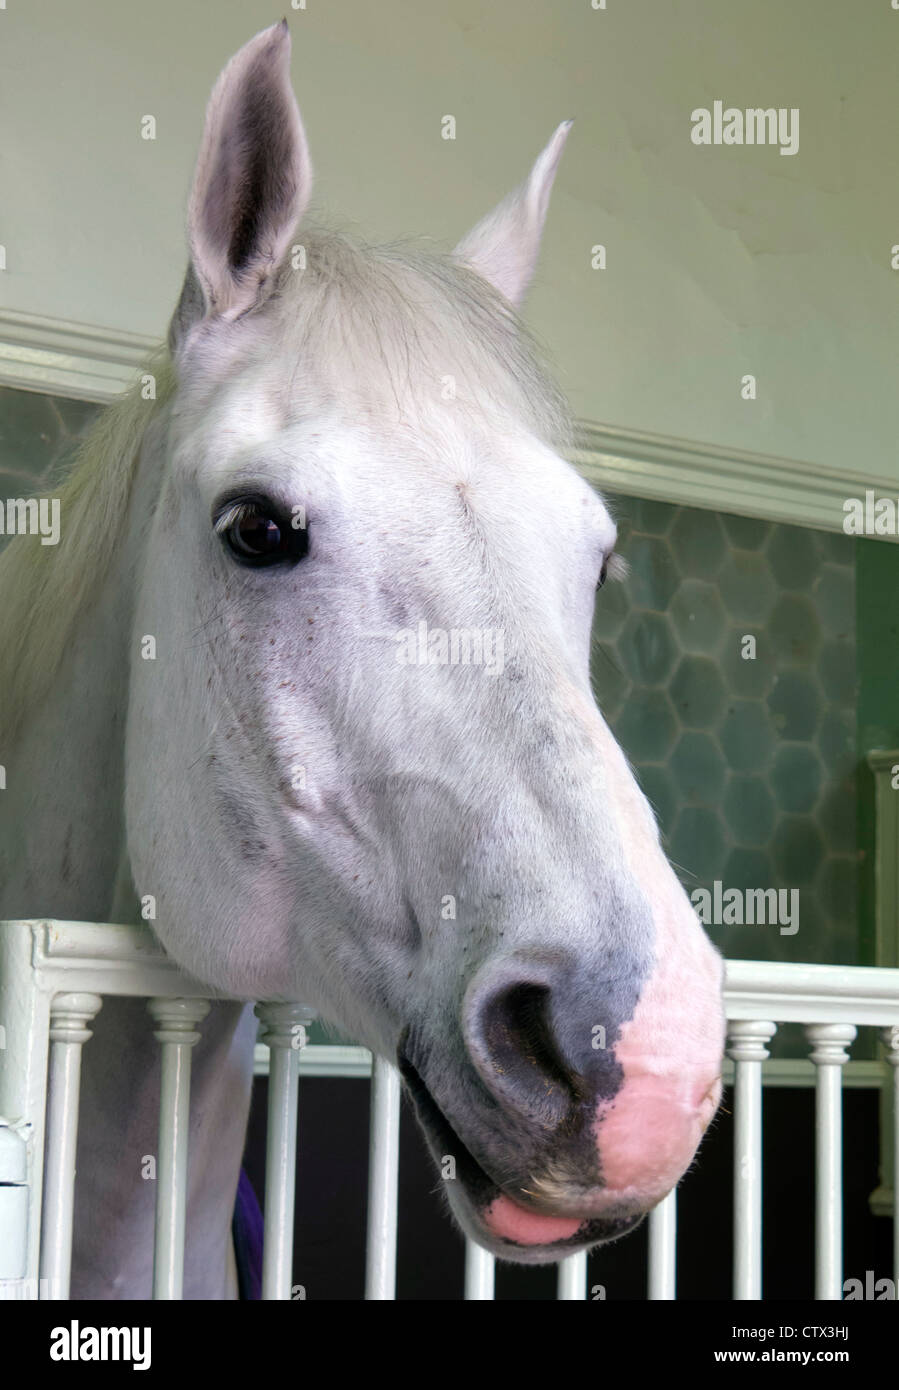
(366, 768)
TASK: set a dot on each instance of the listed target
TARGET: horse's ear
(504, 246)
(251, 184)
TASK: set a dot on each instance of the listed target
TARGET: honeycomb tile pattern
(746, 749)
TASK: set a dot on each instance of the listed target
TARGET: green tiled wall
(749, 763)
(878, 700)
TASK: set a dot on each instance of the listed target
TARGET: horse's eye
(256, 537)
(257, 534)
(602, 577)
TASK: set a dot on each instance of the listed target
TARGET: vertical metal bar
(176, 1035)
(747, 1039)
(24, 1068)
(829, 1041)
(890, 1038)
(572, 1278)
(70, 1015)
(663, 1249)
(480, 1269)
(383, 1178)
(284, 1031)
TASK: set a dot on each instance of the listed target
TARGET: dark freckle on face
(396, 606)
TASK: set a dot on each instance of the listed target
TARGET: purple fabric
(246, 1228)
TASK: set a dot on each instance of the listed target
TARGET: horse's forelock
(391, 325)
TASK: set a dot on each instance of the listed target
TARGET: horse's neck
(62, 854)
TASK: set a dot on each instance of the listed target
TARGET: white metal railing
(54, 975)
(281, 1023)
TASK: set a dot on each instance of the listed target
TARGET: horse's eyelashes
(614, 567)
(259, 533)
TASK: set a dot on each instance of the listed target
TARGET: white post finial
(70, 1015)
(383, 1182)
(177, 1034)
(890, 1040)
(829, 1042)
(747, 1046)
(284, 1033)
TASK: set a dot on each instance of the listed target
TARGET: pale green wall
(721, 261)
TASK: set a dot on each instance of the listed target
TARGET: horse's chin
(507, 1228)
(521, 1235)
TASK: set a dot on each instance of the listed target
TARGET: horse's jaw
(511, 1229)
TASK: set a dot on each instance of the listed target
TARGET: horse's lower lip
(505, 1223)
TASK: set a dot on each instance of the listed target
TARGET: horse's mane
(382, 319)
(43, 588)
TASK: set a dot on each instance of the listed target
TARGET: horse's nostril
(516, 1052)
